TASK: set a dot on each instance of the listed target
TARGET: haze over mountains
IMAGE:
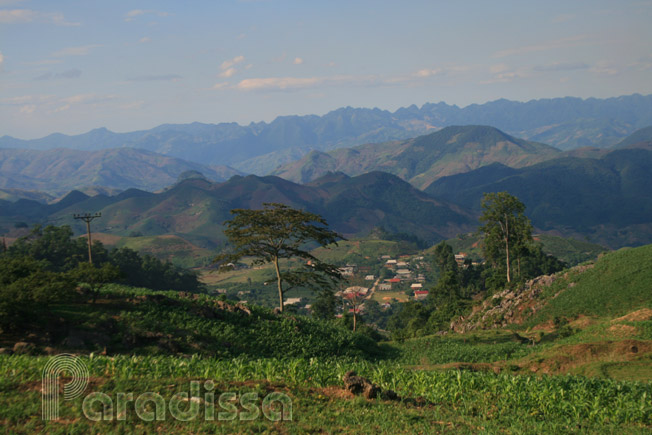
(607, 199)
(259, 148)
(59, 171)
(424, 159)
(601, 194)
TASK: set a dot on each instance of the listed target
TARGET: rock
(5, 351)
(359, 385)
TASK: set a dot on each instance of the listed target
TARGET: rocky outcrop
(514, 306)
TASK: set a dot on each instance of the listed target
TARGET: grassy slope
(617, 284)
(595, 323)
(141, 321)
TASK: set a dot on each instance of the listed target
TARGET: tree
(355, 300)
(325, 305)
(95, 276)
(280, 232)
(506, 229)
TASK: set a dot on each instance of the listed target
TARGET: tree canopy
(506, 230)
(278, 232)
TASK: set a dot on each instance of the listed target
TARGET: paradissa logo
(152, 406)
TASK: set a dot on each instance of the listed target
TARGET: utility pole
(87, 217)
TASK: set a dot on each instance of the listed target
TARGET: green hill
(194, 209)
(639, 138)
(423, 160)
(606, 199)
(617, 284)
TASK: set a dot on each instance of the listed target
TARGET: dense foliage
(45, 267)
(278, 232)
(60, 252)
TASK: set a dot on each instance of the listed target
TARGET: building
(361, 291)
(347, 270)
(386, 286)
(291, 301)
(369, 278)
(416, 286)
(420, 295)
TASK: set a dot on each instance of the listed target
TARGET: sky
(71, 66)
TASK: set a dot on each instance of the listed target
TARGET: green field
(581, 364)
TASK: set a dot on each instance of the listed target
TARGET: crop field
(449, 400)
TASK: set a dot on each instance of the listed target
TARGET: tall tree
(280, 232)
(506, 229)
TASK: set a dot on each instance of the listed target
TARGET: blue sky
(71, 66)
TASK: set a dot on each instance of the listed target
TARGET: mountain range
(59, 171)
(424, 159)
(606, 199)
(196, 208)
(564, 123)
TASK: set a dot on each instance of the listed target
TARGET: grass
(141, 321)
(477, 347)
(381, 295)
(451, 400)
(617, 284)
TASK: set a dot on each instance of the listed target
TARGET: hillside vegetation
(606, 199)
(194, 209)
(424, 159)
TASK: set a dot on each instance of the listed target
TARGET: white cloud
(145, 39)
(280, 83)
(298, 83)
(498, 68)
(27, 104)
(605, 68)
(423, 73)
(27, 109)
(228, 73)
(550, 45)
(297, 61)
(228, 69)
(81, 99)
(13, 16)
(231, 62)
(2, 61)
(501, 73)
(81, 50)
(18, 16)
(131, 15)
